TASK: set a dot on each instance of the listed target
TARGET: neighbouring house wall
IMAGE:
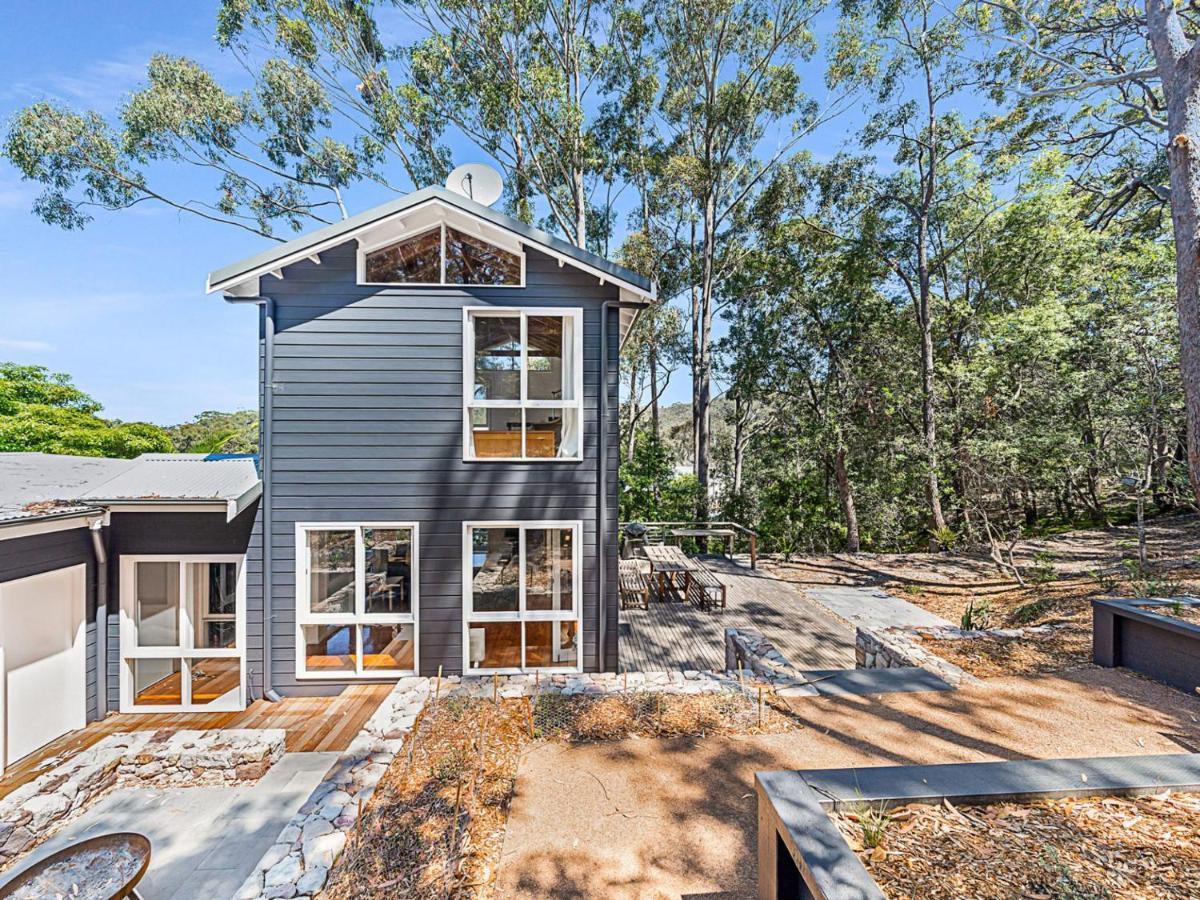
(368, 426)
(39, 553)
(133, 534)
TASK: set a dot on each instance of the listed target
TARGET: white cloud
(32, 346)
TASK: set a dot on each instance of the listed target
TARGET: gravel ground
(659, 818)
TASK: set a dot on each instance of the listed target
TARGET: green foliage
(45, 412)
(217, 432)
(977, 616)
(650, 490)
(1143, 581)
(873, 822)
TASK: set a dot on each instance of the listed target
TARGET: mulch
(1112, 847)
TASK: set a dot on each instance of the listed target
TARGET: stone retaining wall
(34, 811)
(893, 648)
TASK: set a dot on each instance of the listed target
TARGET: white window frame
(470, 314)
(521, 614)
(358, 618)
(366, 248)
(186, 650)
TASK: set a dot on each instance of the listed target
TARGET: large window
(441, 255)
(521, 603)
(523, 380)
(356, 600)
(182, 631)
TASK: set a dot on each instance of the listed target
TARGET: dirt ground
(1171, 541)
(659, 818)
(1063, 574)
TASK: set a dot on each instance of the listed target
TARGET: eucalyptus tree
(1116, 85)
(317, 118)
(520, 78)
(908, 59)
(730, 80)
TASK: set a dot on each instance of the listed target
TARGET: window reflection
(470, 260)
(388, 570)
(495, 569)
(417, 260)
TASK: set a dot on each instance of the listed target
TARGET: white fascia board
(167, 506)
(234, 286)
(19, 528)
(235, 507)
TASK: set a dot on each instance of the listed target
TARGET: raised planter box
(802, 854)
(1130, 633)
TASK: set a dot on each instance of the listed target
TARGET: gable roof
(45, 485)
(275, 258)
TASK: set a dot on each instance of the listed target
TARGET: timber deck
(313, 724)
(674, 635)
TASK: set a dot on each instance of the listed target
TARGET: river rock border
(298, 863)
(36, 810)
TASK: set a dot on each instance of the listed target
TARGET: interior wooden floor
(312, 724)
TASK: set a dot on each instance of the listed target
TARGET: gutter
(100, 550)
(52, 517)
(602, 480)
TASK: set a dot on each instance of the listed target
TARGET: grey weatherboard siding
(368, 426)
(39, 553)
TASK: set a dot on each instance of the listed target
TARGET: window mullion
(524, 381)
(442, 261)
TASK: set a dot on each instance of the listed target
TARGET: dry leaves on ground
(435, 826)
(1123, 848)
(613, 717)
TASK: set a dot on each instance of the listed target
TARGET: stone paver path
(676, 636)
(204, 840)
(871, 607)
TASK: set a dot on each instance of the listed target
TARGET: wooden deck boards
(311, 723)
(672, 636)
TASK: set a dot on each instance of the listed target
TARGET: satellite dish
(478, 181)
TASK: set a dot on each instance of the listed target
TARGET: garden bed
(1146, 847)
(1115, 827)
(434, 827)
(1156, 638)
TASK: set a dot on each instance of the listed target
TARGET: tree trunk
(1179, 69)
(704, 376)
(654, 392)
(846, 497)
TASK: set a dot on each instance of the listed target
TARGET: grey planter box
(801, 853)
(1130, 633)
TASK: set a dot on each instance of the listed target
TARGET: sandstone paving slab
(205, 840)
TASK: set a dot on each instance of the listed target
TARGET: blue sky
(120, 305)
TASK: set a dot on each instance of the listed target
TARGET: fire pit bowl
(107, 867)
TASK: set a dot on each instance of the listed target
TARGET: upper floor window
(442, 255)
(524, 384)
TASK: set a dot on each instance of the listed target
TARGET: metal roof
(44, 485)
(340, 232)
(40, 485)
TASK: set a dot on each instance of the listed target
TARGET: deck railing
(660, 533)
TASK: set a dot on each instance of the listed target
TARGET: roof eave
(229, 278)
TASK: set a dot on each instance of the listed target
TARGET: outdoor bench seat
(635, 587)
(703, 588)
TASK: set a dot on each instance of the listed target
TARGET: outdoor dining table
(666, 562)
(727, 535)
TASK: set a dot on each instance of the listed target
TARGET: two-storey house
(439, 408)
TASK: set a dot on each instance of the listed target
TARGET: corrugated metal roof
(37, 485)
(179, 476)
(229, 275)
(43, 485)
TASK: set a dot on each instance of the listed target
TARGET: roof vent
(477, 181)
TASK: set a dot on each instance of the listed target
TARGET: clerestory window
(442, 255)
